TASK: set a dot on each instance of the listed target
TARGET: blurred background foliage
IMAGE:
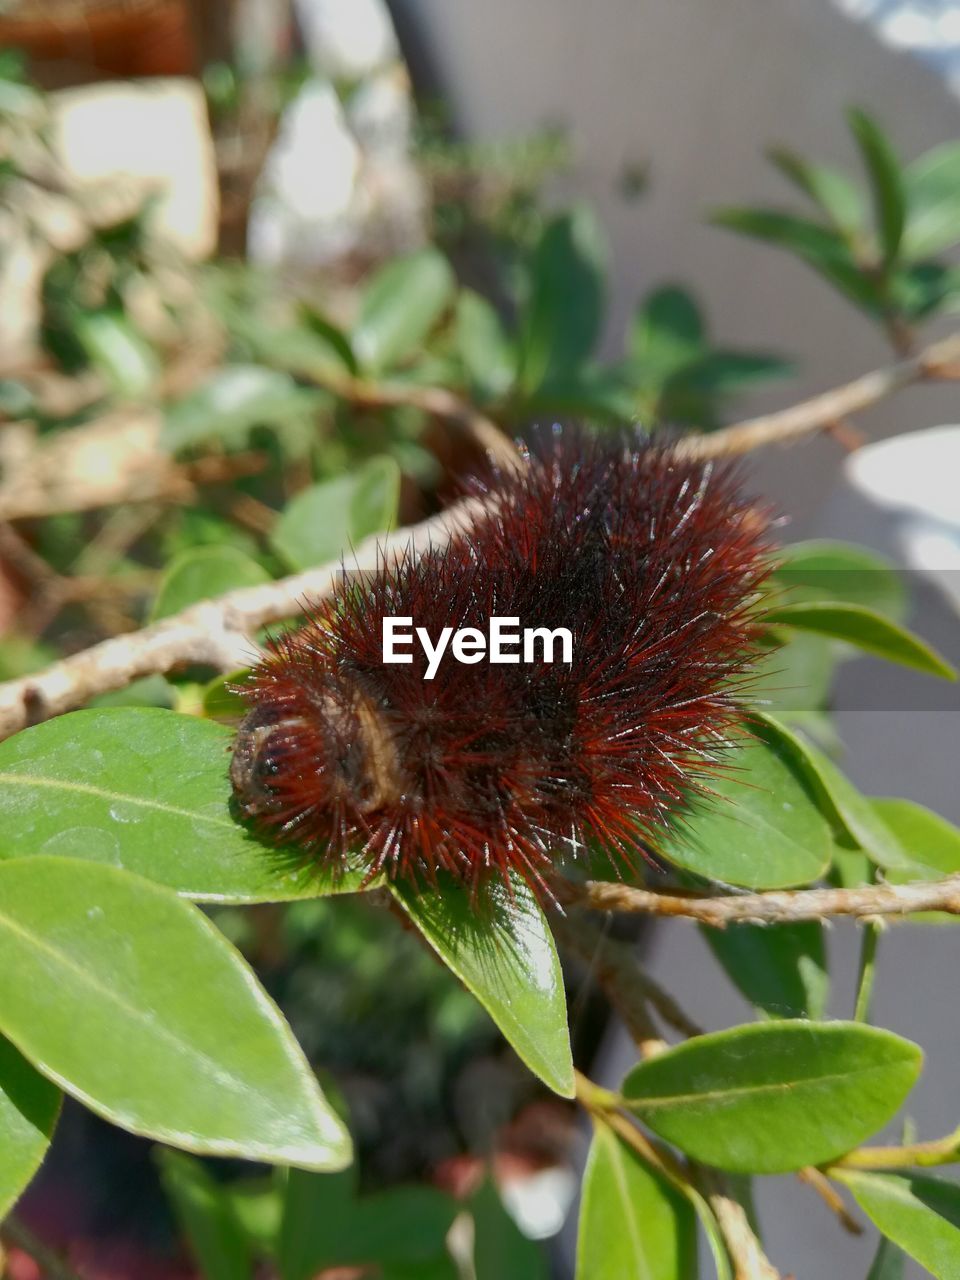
(250, 414)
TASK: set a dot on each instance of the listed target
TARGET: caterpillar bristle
(487, 770)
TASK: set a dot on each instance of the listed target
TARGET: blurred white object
(347, 39)
(914, 478)
(115, 145)
(339, 179)
(308, 186)
(539, 1202)
(127, 141)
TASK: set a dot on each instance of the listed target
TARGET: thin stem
(53, 1266)
(868, 965)
(818, 1182)
(774, 907)
(912, 1155)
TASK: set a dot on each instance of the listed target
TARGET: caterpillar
(650, 562)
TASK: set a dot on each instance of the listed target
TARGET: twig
(819, 413)
(437, 402)
(217, 633)
(220, 632)
(746, 1252)
(912, 1155)
(48, 1260)
(774, 907)
(818, 1182)
(627, 985)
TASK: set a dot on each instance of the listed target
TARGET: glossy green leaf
(724, 373)
(203, 574)
(231, 402)
(668, 331)
(933, 201)
(794, 676)
(501, 1251)
(864, 628)
(399, 307)
(830, 191)
(821, 570)
(500, 947)
(115, 348)
(29, 1106)
(632, 1222)
(762, 826)
(564, 313)
(487, 353)
(930, 843)
(131, 1000)
(146, 790)
(326, 1225)
(888, 1262)
(918, 1213)
(855, 818)
(205, 1215)
(219, 699)
(886, 182)
(771, 1097)
(327, 520)
(781, 969)
(822, 248)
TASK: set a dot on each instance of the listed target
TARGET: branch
(777, 907)
(822, 412)
(53, 1266)
(625, 982)
(217, 633)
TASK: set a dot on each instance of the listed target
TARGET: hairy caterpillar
(650, 561)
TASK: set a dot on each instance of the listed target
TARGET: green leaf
(117, 351)
(781, 969)
(146, 790)
(919, 1213)
(399, 307)
(130, 999)
(231, 402)
(29, 1106)
(831, 192)
(632, 1222)
(930, 843)
(325, 1226)
(887, 1262)
(203, 574)
(564, 313)
(820, 570)
(205, 1215)
(924, 288)
(864, 628)
(724, 373)
(822, 248)
(854, 816)
(501, 1251)
(487, 353)
(886, 182)
(772, 1097)
(933, 201)
(218, 699)
(668, 331)
(499, 945)
(326, 521)
(761, 827)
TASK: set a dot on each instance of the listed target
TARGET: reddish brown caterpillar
(651, 562)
